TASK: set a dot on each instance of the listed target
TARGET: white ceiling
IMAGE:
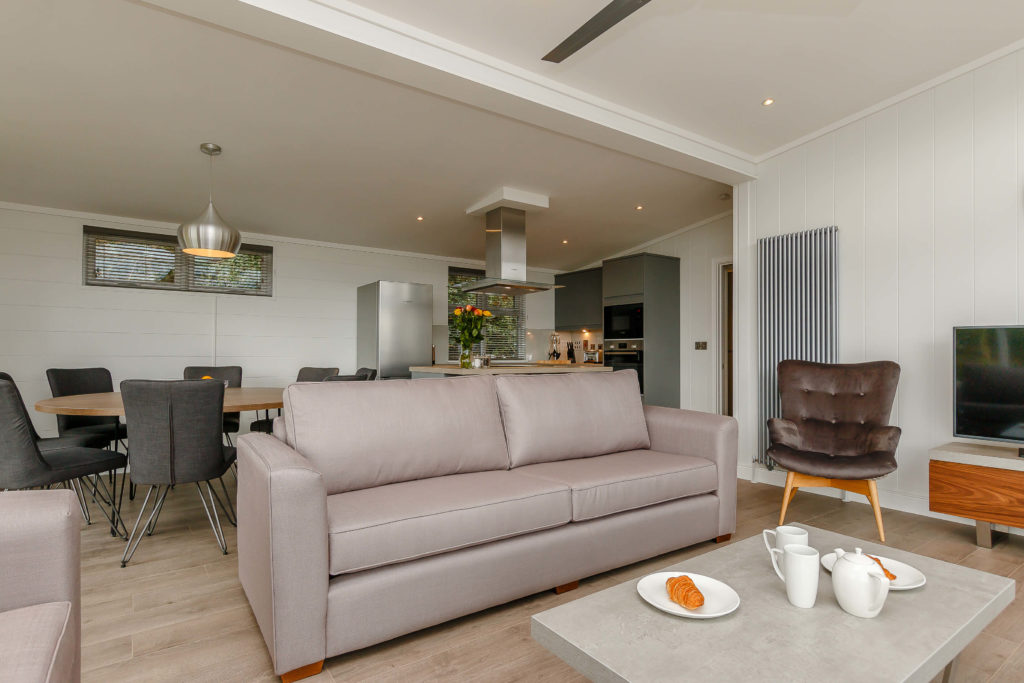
(103, 104)
(706, 65)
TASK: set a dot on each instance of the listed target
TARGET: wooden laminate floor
(177, 612)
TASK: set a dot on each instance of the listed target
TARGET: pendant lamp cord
(211, 179)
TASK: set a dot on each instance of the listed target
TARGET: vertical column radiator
(797, 311)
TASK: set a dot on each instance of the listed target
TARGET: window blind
(505, 333)
(125, 258)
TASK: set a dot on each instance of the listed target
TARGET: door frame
(718, 329)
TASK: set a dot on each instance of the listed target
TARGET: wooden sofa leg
(723, 538)
(302, 672)
(566, 587)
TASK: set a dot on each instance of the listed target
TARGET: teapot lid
(857, 557)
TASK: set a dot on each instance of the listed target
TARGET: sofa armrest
(40, 538)
(705, 435)
(282, 549)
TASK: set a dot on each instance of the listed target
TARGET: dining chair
(60, 462)
(361, 375)
(232, 374)
(71, 381)
(265, 424)
(834, 430)
(177, 426)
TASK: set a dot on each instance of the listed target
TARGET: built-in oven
(624, 321)
(626, 355)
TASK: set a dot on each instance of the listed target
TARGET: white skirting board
(889, 500)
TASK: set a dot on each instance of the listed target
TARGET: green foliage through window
(122, 258)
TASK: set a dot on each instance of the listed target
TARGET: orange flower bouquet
(469, 323)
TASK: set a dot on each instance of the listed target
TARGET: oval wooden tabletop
(107, 404)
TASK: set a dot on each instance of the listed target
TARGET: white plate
(906, 576)
(719, 598)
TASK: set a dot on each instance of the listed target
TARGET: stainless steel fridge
(393, 326)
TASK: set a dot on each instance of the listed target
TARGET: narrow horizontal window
(124, 258)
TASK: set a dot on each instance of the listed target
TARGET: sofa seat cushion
(399, 522)
(561, 417)
(613, 483)
(34, 643)
(365, 434)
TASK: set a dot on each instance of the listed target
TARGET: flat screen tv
(988, 372)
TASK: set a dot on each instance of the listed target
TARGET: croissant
(888, 574)
(683, 591)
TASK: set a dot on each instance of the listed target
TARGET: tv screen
(989, 375)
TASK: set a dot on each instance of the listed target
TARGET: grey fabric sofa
(380, 508)
(40, 587)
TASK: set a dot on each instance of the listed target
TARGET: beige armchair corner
(40, 587)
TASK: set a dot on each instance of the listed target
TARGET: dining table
(236, 399)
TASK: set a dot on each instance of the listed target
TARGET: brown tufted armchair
(834, 428)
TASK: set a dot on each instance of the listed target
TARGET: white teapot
(859, 584)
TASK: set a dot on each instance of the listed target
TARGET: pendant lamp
(207, 234)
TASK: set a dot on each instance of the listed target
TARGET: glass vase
(465, 356)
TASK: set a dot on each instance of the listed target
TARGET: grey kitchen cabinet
(623, 276)
(579, 304)
(650, 280)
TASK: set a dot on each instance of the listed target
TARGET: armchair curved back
(835, 406)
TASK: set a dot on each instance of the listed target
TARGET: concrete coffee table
(614, 635)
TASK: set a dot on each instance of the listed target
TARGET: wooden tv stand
(981, 482)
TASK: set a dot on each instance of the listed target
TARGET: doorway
(725, 336)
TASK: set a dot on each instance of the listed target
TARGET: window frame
(518, 311)
(185, 271)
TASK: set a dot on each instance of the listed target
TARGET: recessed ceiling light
(767, 102)
(565, 241)
(419, 218)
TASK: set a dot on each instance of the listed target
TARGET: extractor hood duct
(506, 256)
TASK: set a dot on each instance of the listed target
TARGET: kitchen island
(453, 369)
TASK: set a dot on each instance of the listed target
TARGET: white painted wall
(48, 318)
(928, 195)
(701, 250)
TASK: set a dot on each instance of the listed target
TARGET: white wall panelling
(928, 194)
(48, 318)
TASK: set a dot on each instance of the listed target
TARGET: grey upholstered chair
(23, 464)
(834, 430)
(40, 594)
(266, 423)
(176, 428)
(361, 375)
(72, 381)
(232, 374)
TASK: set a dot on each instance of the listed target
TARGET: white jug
(859, 584)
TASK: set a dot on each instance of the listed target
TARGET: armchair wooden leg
(787, 496)
(566, 587)
(302, 672)
(873, 497)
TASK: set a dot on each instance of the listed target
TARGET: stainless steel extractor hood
(506, 256)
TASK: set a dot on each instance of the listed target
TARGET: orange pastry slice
(683, 591)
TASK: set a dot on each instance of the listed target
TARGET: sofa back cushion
(364, 434)
(558, 417)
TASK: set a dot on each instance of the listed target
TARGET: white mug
(783, 536)
(800, 573)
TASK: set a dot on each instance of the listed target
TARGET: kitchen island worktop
(453, 369)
